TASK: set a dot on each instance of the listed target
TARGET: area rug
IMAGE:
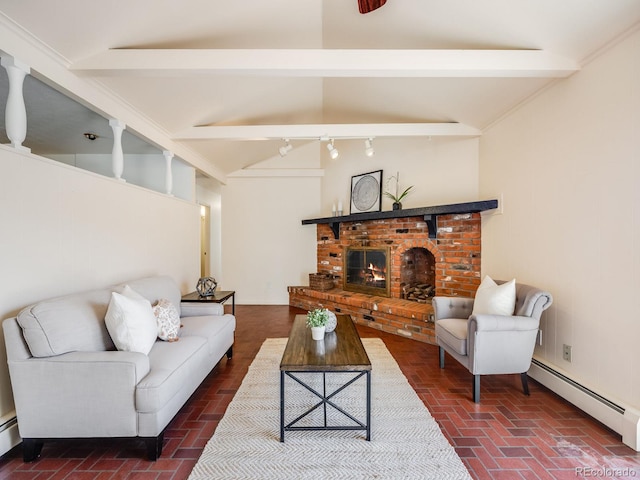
(406, 442)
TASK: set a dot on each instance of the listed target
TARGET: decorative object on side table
(317, 320)
(332, 322)
(366, 192)
(397, 198)
(206, 286)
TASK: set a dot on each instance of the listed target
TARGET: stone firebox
(443, 252)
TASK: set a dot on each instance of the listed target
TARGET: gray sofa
(69, 381)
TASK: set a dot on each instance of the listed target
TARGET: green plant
(318, 317)
(397, 198)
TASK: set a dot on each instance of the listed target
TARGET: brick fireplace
(443, 254)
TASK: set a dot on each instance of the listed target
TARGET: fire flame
(377, 273)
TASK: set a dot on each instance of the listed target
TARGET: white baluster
(168, 178)
(117, 155)
(15, 112)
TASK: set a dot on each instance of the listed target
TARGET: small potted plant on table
(316, 320)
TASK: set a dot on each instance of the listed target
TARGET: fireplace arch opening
(418, 275)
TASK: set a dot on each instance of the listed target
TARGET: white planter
(317, 333)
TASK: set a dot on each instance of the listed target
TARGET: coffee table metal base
(326, 401)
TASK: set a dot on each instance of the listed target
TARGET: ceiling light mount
(90, 136)
(333, 151)
(368, 147)
(286, 148)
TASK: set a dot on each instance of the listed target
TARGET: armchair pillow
(130, 321)
(494, 299)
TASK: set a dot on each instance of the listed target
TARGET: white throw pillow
(130, 321)
(168, 320)
(494, 299)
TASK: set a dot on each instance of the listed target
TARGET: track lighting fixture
(368, 147)
(333, 151)
(286, 148)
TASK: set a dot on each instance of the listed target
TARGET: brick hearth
(392, 315)
(457, 255)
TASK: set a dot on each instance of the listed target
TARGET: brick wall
(456, 251)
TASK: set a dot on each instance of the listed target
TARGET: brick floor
(508, 436)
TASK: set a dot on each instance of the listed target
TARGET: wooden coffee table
(302, 354)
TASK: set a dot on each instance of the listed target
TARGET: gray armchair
(490, 344)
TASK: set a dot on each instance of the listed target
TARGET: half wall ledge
(430, 215)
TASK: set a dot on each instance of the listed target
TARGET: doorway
(205, 240)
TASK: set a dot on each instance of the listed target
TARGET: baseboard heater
(9, 436)
(620, 418)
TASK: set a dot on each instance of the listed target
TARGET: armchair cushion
(494, 299)
(453, 332)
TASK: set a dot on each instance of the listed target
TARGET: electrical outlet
(566, 352)
(540, 337)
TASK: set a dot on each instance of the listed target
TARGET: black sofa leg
(230, 352)
(31, 449)
(525, 383)
(154, 447)
(441, 352)
(476, 388)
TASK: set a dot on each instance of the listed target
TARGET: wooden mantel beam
(430, 215)
(327, 63)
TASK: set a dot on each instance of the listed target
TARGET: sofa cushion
(212, 328)
(494, 299)
(74, 323)
(172, 365)
(131, 322)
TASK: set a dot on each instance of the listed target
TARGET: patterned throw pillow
(168, 320)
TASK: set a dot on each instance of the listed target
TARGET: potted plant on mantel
(317, 320)
(397, 198)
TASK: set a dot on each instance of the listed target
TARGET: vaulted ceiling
(229, 80)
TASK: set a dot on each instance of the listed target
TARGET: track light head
(368, 147)
(333, 151)
(286, 148)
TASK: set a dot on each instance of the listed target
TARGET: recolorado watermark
(606, 472)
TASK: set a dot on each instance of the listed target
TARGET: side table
(217, 297)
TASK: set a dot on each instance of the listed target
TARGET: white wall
(568, 163)
(144, 170)
(265, 247)
(442, 170)
(66, 230)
